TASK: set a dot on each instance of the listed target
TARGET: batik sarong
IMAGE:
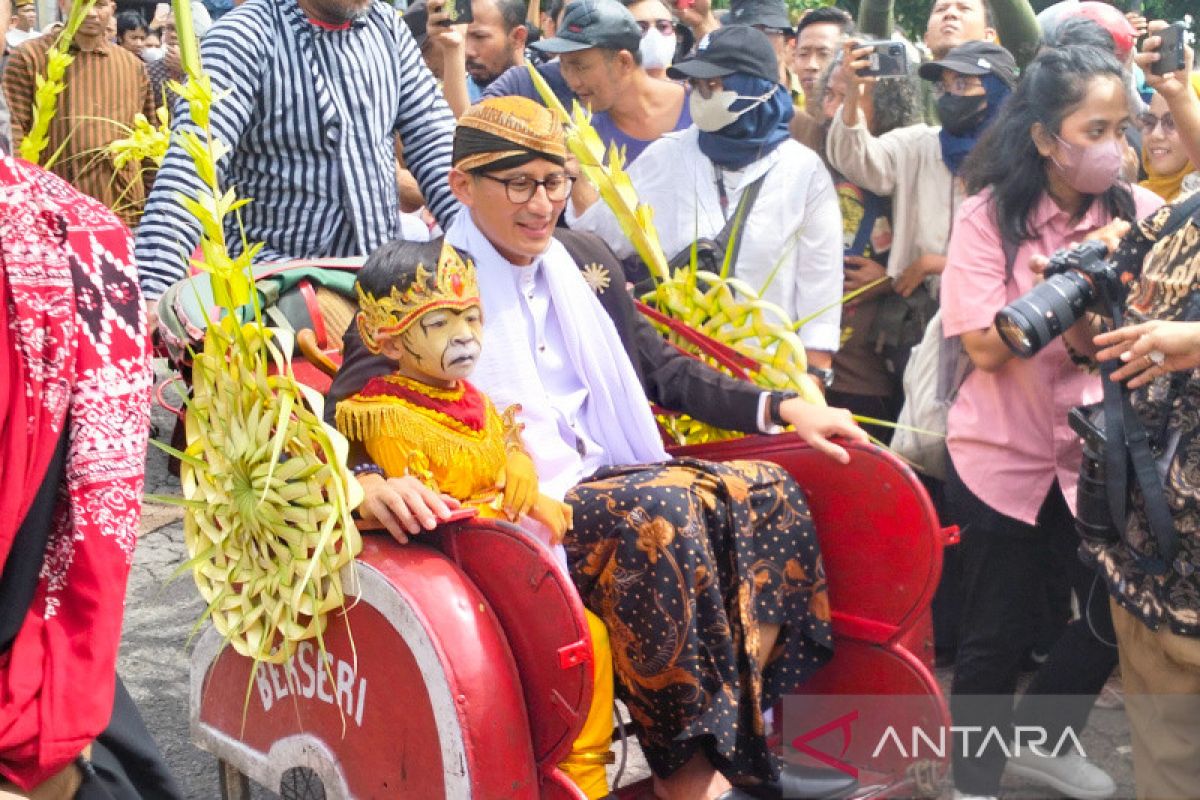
(683, 561)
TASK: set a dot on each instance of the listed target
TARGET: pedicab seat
(472, 644)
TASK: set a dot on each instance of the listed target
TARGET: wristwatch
(823, 374)
(773, 403)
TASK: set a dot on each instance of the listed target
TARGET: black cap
(974, 58)
(416, 17)
(733, 48)
(594, 23)
(771, 14)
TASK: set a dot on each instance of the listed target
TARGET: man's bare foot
(695, 780)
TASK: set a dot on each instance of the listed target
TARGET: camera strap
(1128, 443)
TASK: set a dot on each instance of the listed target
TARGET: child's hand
(556, 516)
(519, 481)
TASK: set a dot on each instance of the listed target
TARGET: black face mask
(961, 115)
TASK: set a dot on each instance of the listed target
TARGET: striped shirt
(106, 88)
(310, 118)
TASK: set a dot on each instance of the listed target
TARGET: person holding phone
(917, 165)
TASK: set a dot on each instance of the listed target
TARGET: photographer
(1043, 176)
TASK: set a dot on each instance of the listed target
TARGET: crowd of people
(872, 185)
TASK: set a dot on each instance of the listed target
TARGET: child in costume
(419, 306)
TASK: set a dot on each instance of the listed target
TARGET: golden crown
(453, 286)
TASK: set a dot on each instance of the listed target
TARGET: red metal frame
(484, 638)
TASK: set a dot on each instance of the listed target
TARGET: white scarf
(616, 413)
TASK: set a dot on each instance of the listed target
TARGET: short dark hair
(129, 21)
(512, 12)
(395, 263)
(827, 15)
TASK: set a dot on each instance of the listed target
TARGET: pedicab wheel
(301, 783)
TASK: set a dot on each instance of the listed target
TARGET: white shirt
(795, 218)
(15, 38)
(565, 391)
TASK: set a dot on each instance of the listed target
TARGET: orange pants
(590, 751)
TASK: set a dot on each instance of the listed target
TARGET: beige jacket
(906, 164)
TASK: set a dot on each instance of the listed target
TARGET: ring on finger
(1158, 357)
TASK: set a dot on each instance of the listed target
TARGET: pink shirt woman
(1007, 431)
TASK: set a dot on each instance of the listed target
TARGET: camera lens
(1029, 323)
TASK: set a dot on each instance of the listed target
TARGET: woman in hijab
(1169, 171)
(790, 247)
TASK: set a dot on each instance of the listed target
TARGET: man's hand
(519, 480)
(173, 62)
(696, 14)
(1151, 349)
(815, 424)
(858, 87)
(1173, 84)
(859, 272)
(916, 272)
(405, 506)
(449, 38)
(1138, 22)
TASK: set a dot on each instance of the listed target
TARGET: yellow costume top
(452, 440)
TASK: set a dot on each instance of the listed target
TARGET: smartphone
(1171, 43)
(458, 12)
(888, 59)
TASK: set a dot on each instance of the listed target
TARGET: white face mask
(657, 50)
(153, 53)
(712, 113)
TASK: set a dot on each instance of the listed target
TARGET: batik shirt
(1170, 274)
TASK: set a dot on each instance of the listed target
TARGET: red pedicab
(468, 674)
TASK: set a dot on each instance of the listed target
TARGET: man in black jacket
(707, 575)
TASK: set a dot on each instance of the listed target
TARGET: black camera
(1078, 279)
(1093, 515)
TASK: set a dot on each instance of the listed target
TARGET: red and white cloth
(74, 352)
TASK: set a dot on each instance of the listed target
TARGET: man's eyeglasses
(522, 188)
(664, 26)
(1148, 122)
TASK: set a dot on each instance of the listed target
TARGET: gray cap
(770, 14)
(594, 23)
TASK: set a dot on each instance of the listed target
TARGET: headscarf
(74, 362)
(500, 133)
(955, 148)
(757, 132)
(1168, 186)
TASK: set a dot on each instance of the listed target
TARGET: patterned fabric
(75, 354)
(453, 440)
(160, 77)
(683, 562)
(1170, 274)
(311, 117)
(106, 88)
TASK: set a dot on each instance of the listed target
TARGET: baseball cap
(733, 48)
(770, 14)
(973, 58)
(594, 23)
